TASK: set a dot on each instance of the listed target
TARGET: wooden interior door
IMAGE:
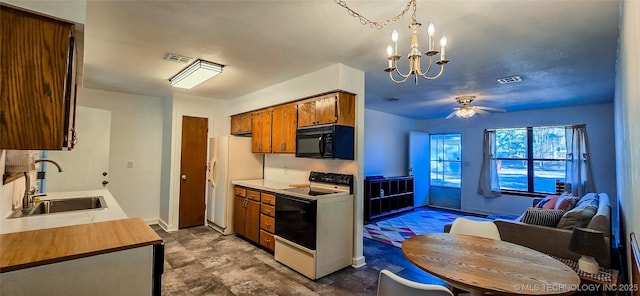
(193, 167)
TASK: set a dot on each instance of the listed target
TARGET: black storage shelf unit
(387, 196)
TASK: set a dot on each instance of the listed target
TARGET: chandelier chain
(378, 24)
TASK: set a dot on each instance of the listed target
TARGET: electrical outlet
(130, 164)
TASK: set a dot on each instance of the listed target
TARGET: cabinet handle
(268, 211)
(267, 240)
(268, 224)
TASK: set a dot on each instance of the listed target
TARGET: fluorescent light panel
(196, 73)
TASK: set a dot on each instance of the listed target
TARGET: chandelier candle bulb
(430, 30)
(414, 55)
(394, 38)
(443, 43)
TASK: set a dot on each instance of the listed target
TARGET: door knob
(184, 177)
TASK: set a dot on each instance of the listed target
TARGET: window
(531, 159)
(445, 160)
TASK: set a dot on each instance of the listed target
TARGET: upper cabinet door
(37, 100)
(326, 109)
(283, 131)
(307, 113)
(261, 131)
(241, 124)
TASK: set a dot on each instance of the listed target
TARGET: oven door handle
(321, 145)
(296, 199)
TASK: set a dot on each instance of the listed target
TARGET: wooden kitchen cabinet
(283, 129)
(241, 124)
(246, 214)
(261, 131)
(338, 108)
(37, 100)
(246, 217)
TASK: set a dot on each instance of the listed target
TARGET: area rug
(395, 230)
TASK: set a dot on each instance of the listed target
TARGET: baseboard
(151, 221)
(358, 262)
(166, 227)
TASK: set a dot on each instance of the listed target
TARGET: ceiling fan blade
(490, 108)
(480, 111)
(451, 115)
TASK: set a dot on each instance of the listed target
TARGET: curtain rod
(539, 126)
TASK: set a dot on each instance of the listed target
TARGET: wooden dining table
(478, 265)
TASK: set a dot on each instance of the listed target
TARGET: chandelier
(414, 56)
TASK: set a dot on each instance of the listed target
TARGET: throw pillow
(551, 204)
(544, 201)
(566, 202)
(589, 198)
(542, 217)
(577, 217)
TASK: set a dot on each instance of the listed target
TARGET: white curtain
(578, 172)
(488, 185)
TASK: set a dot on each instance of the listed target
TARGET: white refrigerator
(230, 159)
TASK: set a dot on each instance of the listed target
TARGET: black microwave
(328, 141)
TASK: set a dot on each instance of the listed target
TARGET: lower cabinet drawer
(268, 210)
(266, 240)
(267, 223)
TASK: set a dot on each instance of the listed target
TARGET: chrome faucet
(51, 161)
(27, 199)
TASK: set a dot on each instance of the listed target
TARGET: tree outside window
(531, 159)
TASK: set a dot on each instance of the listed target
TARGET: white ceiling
(565, 51)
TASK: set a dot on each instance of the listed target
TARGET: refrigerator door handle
(211, 176)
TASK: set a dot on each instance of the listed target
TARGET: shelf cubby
(387, 196)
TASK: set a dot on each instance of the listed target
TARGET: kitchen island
(86, 252)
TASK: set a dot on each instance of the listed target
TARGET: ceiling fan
(465, 110)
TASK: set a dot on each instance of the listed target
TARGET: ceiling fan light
(196, 73)
(465, 112)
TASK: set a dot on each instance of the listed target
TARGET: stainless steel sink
(62, 205)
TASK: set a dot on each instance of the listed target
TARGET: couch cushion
(546, 200)
(542, 217)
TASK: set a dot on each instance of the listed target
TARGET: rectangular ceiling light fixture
(196, 73)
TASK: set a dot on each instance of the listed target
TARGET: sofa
(555, 241)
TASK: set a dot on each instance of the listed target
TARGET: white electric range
(314, 225)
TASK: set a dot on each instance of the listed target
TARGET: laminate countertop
(45, 246)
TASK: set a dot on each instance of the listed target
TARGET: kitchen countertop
(45, 246)
(279, 187)
(112, 212)
(263, 184)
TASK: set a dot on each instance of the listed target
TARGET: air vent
(510, 79)
(178, 58)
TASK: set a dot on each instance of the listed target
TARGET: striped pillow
(542, 217)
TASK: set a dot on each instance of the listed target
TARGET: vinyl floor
(200, 261)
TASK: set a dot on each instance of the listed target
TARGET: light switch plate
(130, 164)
